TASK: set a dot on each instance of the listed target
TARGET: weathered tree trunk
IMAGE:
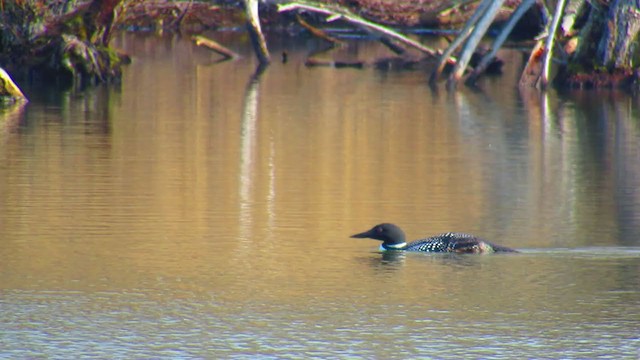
(548, 46)
(605, 47)
(623, 24)
(255, 32)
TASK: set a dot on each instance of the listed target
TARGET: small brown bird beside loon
(393, 238)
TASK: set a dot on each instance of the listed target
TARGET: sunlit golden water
(197, 211)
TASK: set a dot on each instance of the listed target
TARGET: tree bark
(471, 43)
(606, 47)
(99, 19)
(462, 36)
(620, 31)
(548, 46)
(504, 33)
(255, 32)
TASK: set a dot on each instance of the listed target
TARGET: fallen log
(471, 36)
(317, 32)
(210, 44)
(497, 44)
(462, 36)
(354, 19)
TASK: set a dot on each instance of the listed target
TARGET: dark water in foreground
(194, 213)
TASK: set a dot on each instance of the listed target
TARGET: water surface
(197, 210)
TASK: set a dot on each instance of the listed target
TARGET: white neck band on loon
(393, 246)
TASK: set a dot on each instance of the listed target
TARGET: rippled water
(198, 211)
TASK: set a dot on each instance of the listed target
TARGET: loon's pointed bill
(393, 238)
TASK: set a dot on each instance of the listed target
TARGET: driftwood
(462, 36)
(548, 46)
(317, 32)
(210, 44)
(255, 32)
(504, 33)
(471, 36)
(355, 20)
(8, 89)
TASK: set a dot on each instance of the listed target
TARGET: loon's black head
(391, 235)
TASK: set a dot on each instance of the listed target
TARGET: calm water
(196, 211)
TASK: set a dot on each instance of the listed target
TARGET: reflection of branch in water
(247, 150)
(97, 109)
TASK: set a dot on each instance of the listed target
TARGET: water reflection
(247, 154)
(395, 259)
(10, 118)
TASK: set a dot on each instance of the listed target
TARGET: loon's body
(393, 238)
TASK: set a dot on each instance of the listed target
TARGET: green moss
(75, 25)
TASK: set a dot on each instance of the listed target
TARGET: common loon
(393, 238)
